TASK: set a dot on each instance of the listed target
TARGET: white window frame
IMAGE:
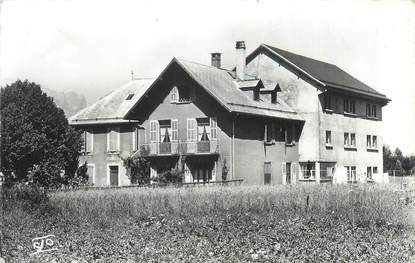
(117, 130)
(108, 173)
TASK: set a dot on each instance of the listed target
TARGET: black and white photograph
(207, 131)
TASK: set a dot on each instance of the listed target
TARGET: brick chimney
(216, 60)
(240, 60)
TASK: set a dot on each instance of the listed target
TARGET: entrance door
(288, 173)
(113, 175)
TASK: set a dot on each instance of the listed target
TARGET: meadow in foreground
(214, 224)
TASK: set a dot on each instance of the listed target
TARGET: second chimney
(240, 60)
(216, 60)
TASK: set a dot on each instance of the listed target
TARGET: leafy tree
(37, 144)
(388, 159)
(398, 168)
(138, 170)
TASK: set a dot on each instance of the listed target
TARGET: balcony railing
(175, 148)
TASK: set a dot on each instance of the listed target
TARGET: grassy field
(213, 224)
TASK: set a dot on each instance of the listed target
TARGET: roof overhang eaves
(359, 92)
(297, 118)
(98, 121)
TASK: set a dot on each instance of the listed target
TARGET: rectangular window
(214, 128)
(113, 139)
(368, 109)
(203, 129)
(165, 130)
(353, 139)
(346, 139)
(174, 95)
(274, 97)
(328, 138)
(375, 170)
(256, 94)
(349, 106)
(327, 102)
(191, 130)
(374, 141)
(368, 141)
(290, 134)
(174, 130)
(154, 127)
(369, 173)
(374, 111)
(88, 142)
(267, 173)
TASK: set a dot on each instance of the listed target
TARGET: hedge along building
(211, 121)
(342, 135)
(108, 136)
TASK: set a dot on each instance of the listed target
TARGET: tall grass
(366, 204)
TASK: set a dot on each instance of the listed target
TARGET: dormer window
(129, 97)
(274, 97)
(256, 94)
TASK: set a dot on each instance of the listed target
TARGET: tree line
(398, 162)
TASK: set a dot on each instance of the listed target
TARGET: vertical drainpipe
(317, 166)
(233, 147)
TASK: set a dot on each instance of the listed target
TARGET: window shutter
(293, 172)
(213, 128)
(89, 142)
(284, 172)
(191, 130)
(174, 130)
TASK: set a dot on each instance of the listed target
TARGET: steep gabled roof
(223, 87)
(226, 89)
(327, 74)
(112, 108)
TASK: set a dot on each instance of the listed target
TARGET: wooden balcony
(176, 148)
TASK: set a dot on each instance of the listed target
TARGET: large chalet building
(276, 118)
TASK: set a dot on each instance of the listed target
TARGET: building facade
(277, 118)
(342, 136)
(108, 138)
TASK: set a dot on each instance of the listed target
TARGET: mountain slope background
(71, 102)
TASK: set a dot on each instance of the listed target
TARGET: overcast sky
(91, 46)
